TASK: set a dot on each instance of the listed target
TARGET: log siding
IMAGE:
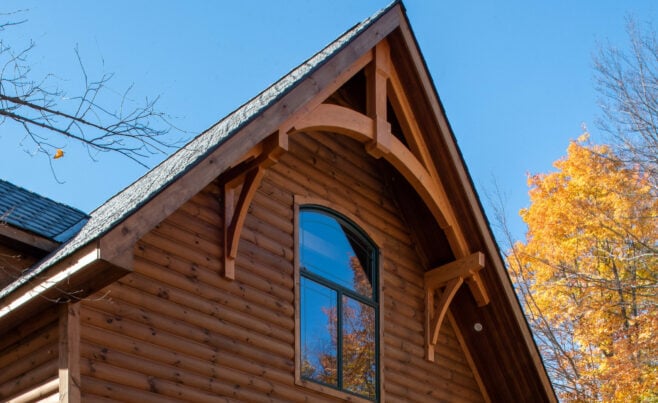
(175, 329)
(29, 360)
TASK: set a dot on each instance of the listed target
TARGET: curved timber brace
(450, 277)
(240, 185)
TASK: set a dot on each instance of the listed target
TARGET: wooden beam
(435, 318)
(464, 267)
(450, 277)
(345, 121)
(336, 119)
(27, 238)
(69, 353)
(235, 213)
(405, 114)
(377, 75)
(236, 204)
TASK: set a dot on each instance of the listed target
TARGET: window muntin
(339, 311)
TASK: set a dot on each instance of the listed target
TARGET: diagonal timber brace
(450, 277)
(240, 185)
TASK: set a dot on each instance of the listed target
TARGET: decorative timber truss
(372, 129)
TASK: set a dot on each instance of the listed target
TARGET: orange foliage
(588, 275)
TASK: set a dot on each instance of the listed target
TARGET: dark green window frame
(345, 300)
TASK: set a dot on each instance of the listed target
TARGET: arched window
(339, 303)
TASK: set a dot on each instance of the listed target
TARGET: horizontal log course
(97, 339)
(413, 352)
(187, 322)
(160, 389)
(301, 179)
(209, 198)
(36, 341)
(280, 198)
(168, 336)
(409, 271)
(189, 277)
(95, 389)
(275, 269)
(186, 240)
(203, 213)
(274, 205)
(45, 392)
(404, 299)
(27, 328)
(201, 311)
(264, 227)
(39, 372)
(220, 381)
(274, 246)
(430, 385)
(29, 361)
(396, 320)
(398, 392)
(350, 154)
(404, 346)
(338, 170)
(398, 308)
(237, 296)
(369, 189)
(399, 332)
(193, 225)
(190, 254)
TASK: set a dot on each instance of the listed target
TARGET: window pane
(319, 333)
(358, 356)
(328, 249)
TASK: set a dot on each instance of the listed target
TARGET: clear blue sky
(515, 77)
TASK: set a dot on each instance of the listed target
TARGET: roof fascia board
(27, 238)
(73, 278)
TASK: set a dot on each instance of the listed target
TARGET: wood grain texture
(29, 359)
(176, 329)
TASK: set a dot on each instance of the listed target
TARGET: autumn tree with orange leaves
(587, 275)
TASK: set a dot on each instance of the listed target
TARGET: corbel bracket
(240, 185)
(450, 277)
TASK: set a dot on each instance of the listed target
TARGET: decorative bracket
(450, 277)
(240, 185)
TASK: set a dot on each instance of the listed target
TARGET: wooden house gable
(192, 290)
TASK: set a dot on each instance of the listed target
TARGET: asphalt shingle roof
(123, 204)
(38, 214)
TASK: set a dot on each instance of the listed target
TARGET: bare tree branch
(627, 82)
(50, 117)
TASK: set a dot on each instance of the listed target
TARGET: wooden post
(69, 353)
(377, 75)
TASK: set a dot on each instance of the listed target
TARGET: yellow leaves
(59, 153)
(585, 263)
(583, 138)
